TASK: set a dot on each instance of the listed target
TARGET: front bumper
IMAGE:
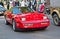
(33, 24)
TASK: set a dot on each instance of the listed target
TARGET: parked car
(25, 18)
(55, 11)
(2, 10)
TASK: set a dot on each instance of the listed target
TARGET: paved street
(6, 32)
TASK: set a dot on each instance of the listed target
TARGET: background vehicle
(26, 18)
(55, 11)
(2, 10)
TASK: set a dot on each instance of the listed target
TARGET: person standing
(42, 7)
(15, 3)
(8, 4)
(39, 5)
(29, 4)
(1, 3)
(34, 4)
(23, 3)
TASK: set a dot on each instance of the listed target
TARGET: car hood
(32, 16)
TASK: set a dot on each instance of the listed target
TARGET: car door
(9, 15)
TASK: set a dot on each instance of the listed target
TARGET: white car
(2, 10)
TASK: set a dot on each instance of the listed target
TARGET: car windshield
(20, 10)
(16, 10)
(26, 9)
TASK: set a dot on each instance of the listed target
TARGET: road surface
(6, 32)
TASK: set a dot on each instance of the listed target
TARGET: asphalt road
(6, 32)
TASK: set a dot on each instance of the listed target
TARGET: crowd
(39, 6)
(28, 3)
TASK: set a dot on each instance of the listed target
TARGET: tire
(14, 26)
(6, 22)
(56, 19)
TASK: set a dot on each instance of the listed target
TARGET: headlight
(23, 19)
(44, 17)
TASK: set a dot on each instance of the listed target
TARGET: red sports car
(25, 18)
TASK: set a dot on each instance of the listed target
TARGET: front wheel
(14, 26)
(56, 19)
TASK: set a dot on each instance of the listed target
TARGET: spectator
(23, 3)
(34, 4)
(8, 4)
(15, 3)
(39, 5)
(42, 7)
(29, 4)
(1, 3)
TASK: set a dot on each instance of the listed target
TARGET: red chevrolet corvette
(25, 18)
